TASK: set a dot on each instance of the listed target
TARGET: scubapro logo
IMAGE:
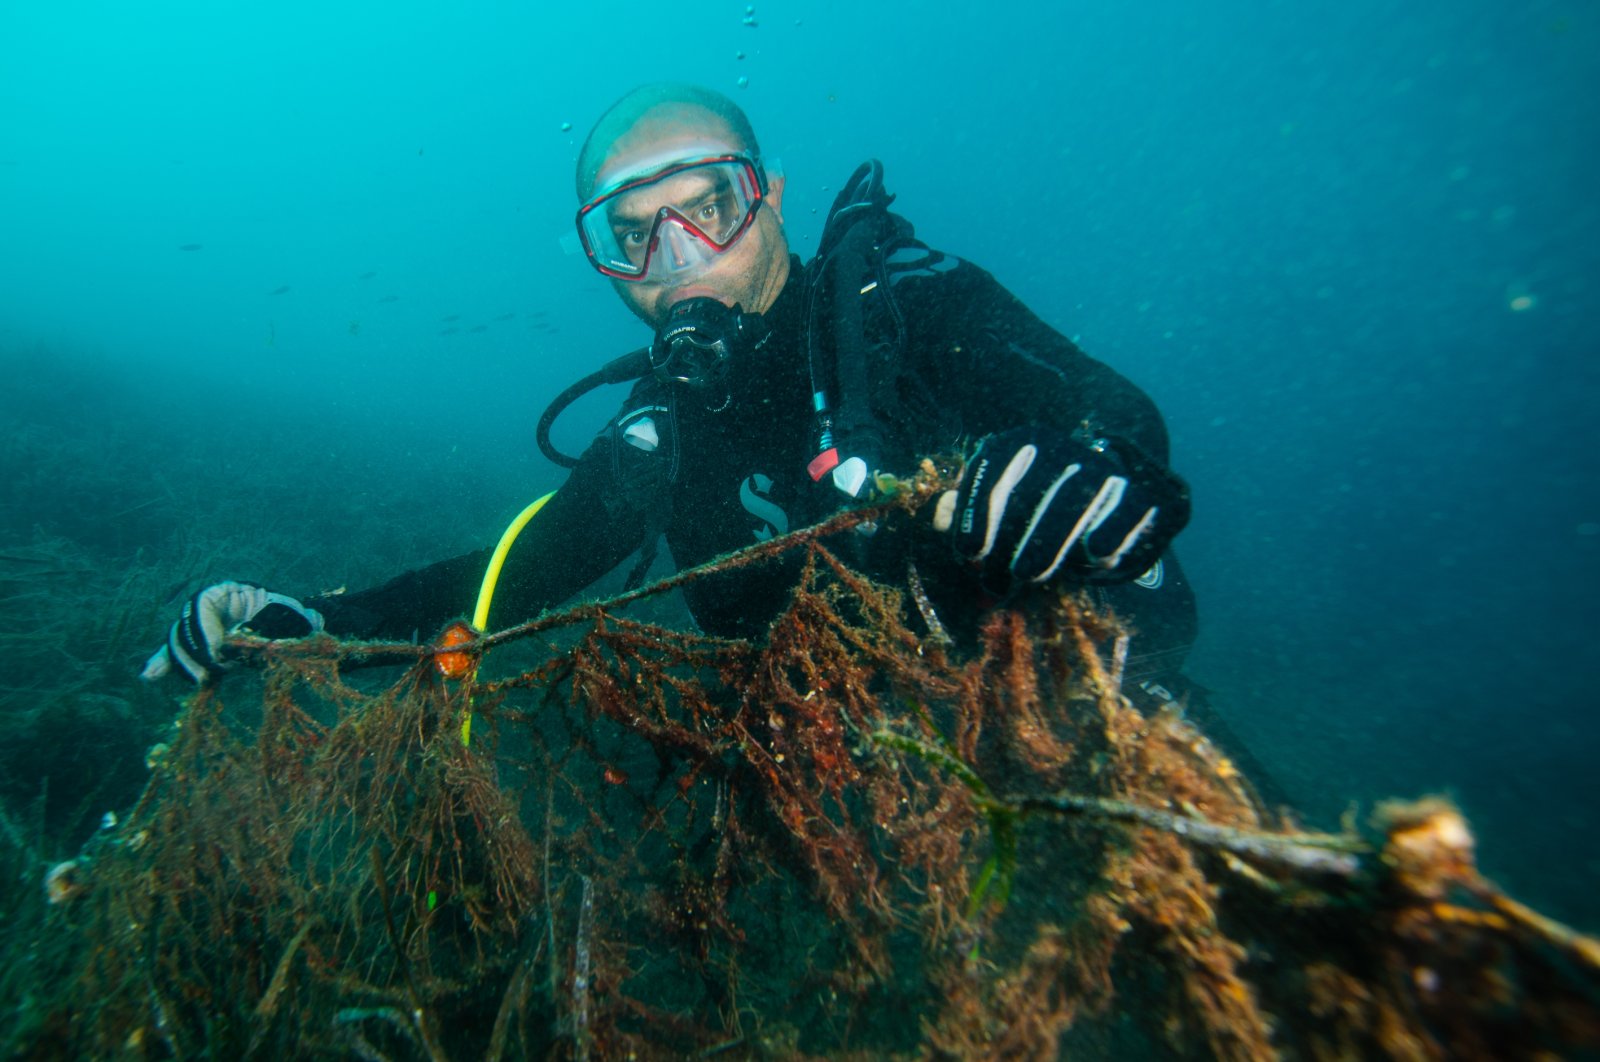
(755, 494)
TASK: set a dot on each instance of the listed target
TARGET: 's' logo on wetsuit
(755, 496)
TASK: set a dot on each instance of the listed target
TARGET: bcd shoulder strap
(860, 234)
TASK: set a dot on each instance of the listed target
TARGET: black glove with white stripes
(195, 642)
(1035, 505)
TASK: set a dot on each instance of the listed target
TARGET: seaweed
(844, 839)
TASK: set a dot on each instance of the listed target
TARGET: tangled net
(849, 840)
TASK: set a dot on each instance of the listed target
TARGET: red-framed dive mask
(674, 221)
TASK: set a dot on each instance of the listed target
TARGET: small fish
(478, 328)
(506, 317)
(368, 275)
(190, 246)
(280, 290)
(448, 331)
(355, 328)
(390, 298)
(452, 317)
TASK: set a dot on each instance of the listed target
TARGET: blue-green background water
(1352, 249)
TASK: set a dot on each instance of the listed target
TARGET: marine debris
(848, 838)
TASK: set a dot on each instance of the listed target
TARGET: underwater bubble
(743, 82)
(566, 127)
(1519, 296)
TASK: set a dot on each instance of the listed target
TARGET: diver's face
(750, 273)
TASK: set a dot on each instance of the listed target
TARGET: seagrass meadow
(849, 839)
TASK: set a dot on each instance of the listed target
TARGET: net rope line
(907, 496)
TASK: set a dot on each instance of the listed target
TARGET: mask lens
(673, 220)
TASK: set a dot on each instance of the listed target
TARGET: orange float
(457, 664)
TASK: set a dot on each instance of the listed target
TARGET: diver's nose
(676, 255)
(678, 250)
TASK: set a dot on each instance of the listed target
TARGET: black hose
(625, 369)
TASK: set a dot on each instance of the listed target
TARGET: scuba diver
(771, 393)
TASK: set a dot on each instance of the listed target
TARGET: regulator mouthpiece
(701, 339)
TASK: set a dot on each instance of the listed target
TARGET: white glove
(217, 611)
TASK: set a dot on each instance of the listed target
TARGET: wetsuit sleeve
(991, 360)
(580, 534)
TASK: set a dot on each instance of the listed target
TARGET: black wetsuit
(719, 469)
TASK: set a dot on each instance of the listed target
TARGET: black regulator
(701, 338)
(697, 346)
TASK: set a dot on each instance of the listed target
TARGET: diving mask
(672, 221)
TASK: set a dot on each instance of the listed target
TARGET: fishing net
(607, 838)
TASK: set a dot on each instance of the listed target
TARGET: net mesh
(849, 839)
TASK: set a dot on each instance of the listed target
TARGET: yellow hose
(480, 615)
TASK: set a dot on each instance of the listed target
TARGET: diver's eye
(708, 212)
(631, 242)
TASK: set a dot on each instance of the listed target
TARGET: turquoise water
(302, 253)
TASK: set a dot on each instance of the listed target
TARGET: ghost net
(849, 840)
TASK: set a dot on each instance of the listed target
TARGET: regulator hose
(625, 369)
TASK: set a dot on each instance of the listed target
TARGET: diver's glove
(1035, 504)
(195, 641)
